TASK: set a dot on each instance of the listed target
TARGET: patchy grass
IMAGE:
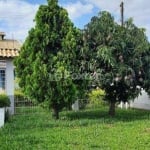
(84, 130)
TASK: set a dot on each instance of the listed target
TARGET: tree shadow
(81, 118)
(102, 114)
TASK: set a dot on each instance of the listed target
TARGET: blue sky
(16, 16)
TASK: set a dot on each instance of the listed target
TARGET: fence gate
(25, 106)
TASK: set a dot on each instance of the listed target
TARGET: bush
(96, 98)
(4, 100)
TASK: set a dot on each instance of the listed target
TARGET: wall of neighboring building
(10, 83)
(9, 49)
(142, 102)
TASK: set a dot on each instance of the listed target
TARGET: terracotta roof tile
(9, 48)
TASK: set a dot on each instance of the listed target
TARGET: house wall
(142, 102)
(10, 83)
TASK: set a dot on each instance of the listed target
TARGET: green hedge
(4, 100)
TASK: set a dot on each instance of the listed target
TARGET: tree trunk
(70, 107)
(55, 113)
(112, 108)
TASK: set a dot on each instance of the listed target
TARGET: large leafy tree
(48, 58)
(117, 54)
(146, 66)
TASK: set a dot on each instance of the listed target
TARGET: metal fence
(25, 106)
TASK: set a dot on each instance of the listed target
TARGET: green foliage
(86, 129)
(54, 50)
(146, 65)
(21, 100)
(16, 84)
(19, 95)
(96, 98)
(45, 105)
(4, 100)
(48, 58)
(119, 54)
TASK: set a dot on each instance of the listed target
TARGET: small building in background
(142, 101)
(9, 48)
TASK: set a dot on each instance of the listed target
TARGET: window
(2, 75)
(2, 79)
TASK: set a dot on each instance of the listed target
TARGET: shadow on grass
(121, 114)
(87, 117)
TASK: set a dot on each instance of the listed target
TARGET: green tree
(146, 66)
(47, 58)
(117, 53)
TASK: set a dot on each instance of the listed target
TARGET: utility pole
(122, 13)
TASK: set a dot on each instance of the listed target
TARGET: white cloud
(137, 9)
(78, 9)
(104, 4)
(16, 17)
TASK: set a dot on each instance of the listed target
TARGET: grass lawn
(84, 130)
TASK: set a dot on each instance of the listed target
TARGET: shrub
(96, 98)
(4, 100)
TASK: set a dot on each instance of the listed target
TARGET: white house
(142, 101)
(9, 49)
